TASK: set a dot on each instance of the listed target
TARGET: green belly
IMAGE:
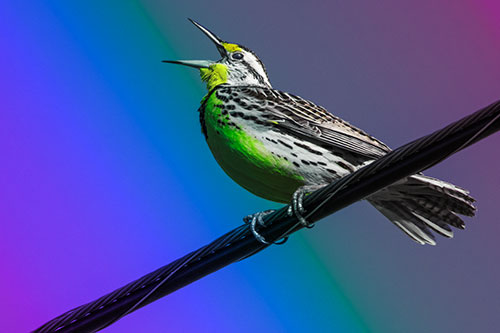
(246, 160)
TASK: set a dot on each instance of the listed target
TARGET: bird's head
(238, 65)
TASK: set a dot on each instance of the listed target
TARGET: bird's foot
(248, 219)
(257, 218)
(296, 206)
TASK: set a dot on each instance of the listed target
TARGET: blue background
(105, 176)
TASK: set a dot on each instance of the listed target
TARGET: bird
(281, 147)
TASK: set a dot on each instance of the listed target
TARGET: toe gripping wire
(296, 208)
(257, 219)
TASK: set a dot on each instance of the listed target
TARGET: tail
(419, 204)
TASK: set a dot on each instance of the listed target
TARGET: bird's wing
(313, 123)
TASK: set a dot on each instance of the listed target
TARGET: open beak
(191, 63)
(202, 63)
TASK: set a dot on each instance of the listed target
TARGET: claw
(248, 219)
(297, 208)
(258, 218)
(259, 237)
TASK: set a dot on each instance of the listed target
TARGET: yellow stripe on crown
(231, 47)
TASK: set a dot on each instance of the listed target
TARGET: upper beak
(213, 37)
(202, 63)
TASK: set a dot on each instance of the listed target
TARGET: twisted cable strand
(240, 243)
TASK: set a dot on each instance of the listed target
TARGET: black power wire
(240, 243)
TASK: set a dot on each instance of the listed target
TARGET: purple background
(104, 175)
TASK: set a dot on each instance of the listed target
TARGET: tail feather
(436, 222)
(420, 204)
(408, 223)
(450, 195)
(444, 216)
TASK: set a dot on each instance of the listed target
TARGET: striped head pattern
(238, 65)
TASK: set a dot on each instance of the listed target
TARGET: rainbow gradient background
(105, 176)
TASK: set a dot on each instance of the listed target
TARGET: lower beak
(191, 63)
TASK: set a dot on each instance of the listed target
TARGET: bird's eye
(237, 56)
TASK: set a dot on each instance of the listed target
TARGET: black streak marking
(254, 72)
(237, 114)
(345, 166)
(285, 144)
(333, 172)
(309, 149)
